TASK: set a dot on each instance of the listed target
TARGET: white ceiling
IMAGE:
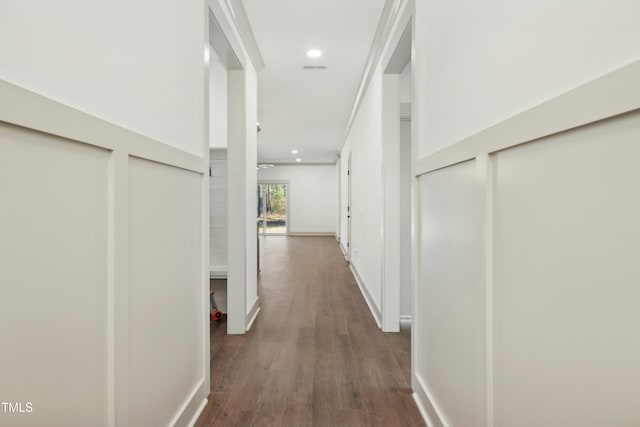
(308, 110)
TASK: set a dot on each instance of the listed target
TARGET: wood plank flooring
(314, 356)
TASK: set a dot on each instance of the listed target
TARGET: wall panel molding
(56, 136)
(30, 110)
(613, 94)
(556, 223)
(375, 310)
(55, 311)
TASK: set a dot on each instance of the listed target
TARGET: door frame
(396, 55)
(222, 42)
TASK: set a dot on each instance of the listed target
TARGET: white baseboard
(310, 233)
(426, 404)
(217, 272)
(375, 311)
(423, 410)
(343, 249)
(405, 319)
(188, 407)
(198, 413)
(253, 313)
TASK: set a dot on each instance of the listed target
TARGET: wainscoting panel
(450, 357)
(54, 260)
(566, 248)
(165, 346)
(527, 289)
(103, 271)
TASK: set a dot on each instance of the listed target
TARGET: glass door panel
(272, 208)
(260, 217)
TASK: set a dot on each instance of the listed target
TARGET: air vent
(314, 67)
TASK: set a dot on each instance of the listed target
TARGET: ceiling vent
(314, 67)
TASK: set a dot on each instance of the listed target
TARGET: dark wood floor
(314, 356)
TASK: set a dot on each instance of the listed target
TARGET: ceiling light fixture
(294, 151)
(298, 160)
(314, 53)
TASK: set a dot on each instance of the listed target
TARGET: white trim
(241, 23)
(375, 311)
(217, 272)
(405, 319)
(205, 224)
(415, 225)
(487, 170)
(28, 109)
(389, 15)
(422, 393)
(222, 12)
(613, 94)
(236, 205)
(120, 254)
(390, 197)
(31, 112)
(343, 249)
(402, 20)
(253, 313)
(112, 253)
(298, 163)
(390, 167)
(312, 233)
(198, 412)
(189, 401)
(423, 411)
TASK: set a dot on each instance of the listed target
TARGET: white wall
(165, 363)
(312, 196)
(136, 64)
(230, 33)
(343, 164)
(514, 242)
(486, 62)
(49, 302)
(104, 255)
(406, 100)
(217, 103)
(218, 205)
(566, 278)
(364, 142)
(251, 153)
(406, 85)
(406, 285)
(525, 229)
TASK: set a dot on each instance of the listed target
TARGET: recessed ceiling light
(298, 160)
(294, 151)
(314, 53)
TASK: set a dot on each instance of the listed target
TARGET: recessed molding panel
(165, 291)
(54, 196)
(566, 275)
(450, 316)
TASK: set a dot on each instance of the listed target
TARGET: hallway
(314, 356)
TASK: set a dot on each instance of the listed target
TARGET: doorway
(398, 184)
(273, 211)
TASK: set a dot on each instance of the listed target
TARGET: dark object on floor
(215, 314)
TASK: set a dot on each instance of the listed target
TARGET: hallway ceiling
(308, 109)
